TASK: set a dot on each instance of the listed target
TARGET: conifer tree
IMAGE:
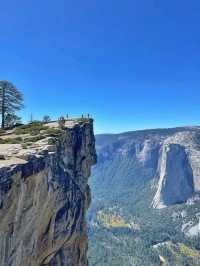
(11, 100)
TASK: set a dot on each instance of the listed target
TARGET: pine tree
(11, 100)
(12, 120)
(46, 119)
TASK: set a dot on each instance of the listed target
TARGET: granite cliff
(169, 156)
(44, 195)
(146, 194)
(178, 169)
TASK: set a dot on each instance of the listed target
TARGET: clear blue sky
(131, 63)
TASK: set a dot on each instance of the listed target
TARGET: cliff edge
(44, 196)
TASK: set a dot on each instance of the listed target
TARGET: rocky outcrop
(175, 177)
(44, 196)
(178, 169)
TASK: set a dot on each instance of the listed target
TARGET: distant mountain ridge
(141, 176)
(165, 151)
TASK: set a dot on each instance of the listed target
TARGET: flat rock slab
(12, 161)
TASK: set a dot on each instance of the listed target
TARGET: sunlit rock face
(43, 201)
(168, 157)
(176, 177)
(179, 169)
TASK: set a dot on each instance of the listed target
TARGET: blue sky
(132, 64)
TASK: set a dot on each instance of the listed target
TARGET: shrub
(36, 123)
(2, 131)
(53, 131)
(52, 141)
(24, 146)
(32, 128)
(17, 140)
(34, 139)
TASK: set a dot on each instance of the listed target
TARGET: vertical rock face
(168, 157)
(43, 200)
(176, 177)
(178, 169)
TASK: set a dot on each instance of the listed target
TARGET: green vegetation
(25, 146)
(112, 220)
(11, 100)
(17, 140)
(53, 132)
(34, 138)
(33, 132)
(33, 128)
(187, 251)
(52, 141)
(2, 131)
(20, 140)
(12, 120)
(123, 190)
